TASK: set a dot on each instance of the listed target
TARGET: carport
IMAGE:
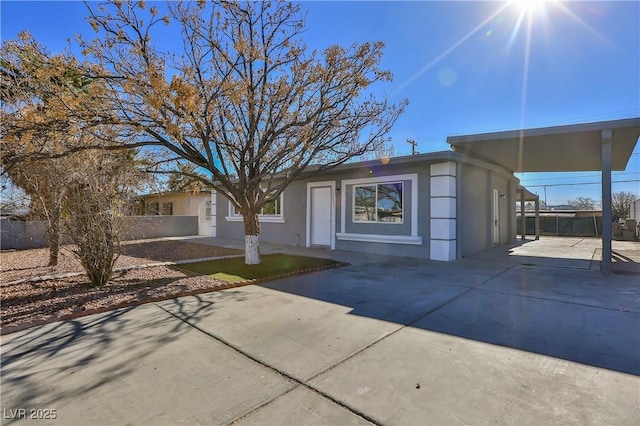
(524, 195)
(598, 146)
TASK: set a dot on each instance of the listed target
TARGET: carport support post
(605, 158)
(537, 226)
(523, 218)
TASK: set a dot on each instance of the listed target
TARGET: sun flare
(530, 6)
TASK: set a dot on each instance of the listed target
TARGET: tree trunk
(251, 239)
(54, 237)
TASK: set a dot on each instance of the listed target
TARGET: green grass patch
(272, 265)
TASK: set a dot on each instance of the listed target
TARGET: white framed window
(410, 215)
(271, 212)
(378, 203)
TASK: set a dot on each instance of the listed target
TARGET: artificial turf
(234, 270)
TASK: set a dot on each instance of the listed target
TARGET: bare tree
(186, 179)
(43, 181)
(42, 96)
(244, 99)
(621, 204)
(583, 203)
(95, 204)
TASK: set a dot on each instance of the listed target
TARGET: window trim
(263, 218)
(353, 199)
(411, 177)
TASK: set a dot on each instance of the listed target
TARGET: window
(167, 209)
(153, 208)
(379, 203)
(270, 208)
(270, 212)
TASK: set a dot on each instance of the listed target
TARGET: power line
(582, 183)
(578, 177)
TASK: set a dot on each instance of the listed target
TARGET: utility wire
(576, 177)
(582, 183)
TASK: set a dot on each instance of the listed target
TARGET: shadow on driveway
(580, 316)
(52, 366)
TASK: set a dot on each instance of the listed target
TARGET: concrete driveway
(386, 340)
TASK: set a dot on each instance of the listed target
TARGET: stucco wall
(293, 231)
(183, 204)
(20, 234)
(475, 208)
(635, 210)
(142, 227)
(471, 225)
(32, 234)
(422, 219)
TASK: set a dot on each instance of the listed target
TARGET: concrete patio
(387, 340)
(566, 252)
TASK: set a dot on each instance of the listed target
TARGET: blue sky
(466, 67)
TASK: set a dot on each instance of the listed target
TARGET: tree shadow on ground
(580, 316)
(48, 365)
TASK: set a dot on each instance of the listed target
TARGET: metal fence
(565, 226)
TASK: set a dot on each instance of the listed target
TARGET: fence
(565, 226)
(19, 234)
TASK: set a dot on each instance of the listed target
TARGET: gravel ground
(49, 300)
(19, 264)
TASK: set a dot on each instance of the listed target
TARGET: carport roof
(528, 195)
(568, 148)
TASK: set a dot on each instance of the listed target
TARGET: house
(441, 205)
(177, 204)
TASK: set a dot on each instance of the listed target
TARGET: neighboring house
(634, 210)
(439, 206)
(177, 204)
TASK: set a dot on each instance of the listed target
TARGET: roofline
(437, 156)
(528, 195)
(544, 131)
(206, 190)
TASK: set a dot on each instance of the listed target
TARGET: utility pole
(545, 197)
(413, 146)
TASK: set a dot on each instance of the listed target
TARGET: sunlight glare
(530, 6)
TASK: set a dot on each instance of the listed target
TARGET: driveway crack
(297, 382)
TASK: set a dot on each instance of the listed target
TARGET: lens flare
(530, 6)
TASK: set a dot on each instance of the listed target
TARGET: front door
(204, 218)
(321, 216)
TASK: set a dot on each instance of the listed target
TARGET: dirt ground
(46, 300)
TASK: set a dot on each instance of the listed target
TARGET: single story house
(441, 205)
(438, 206)
(177, 204)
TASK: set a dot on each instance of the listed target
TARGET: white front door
(204, 218)
(321, 216)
